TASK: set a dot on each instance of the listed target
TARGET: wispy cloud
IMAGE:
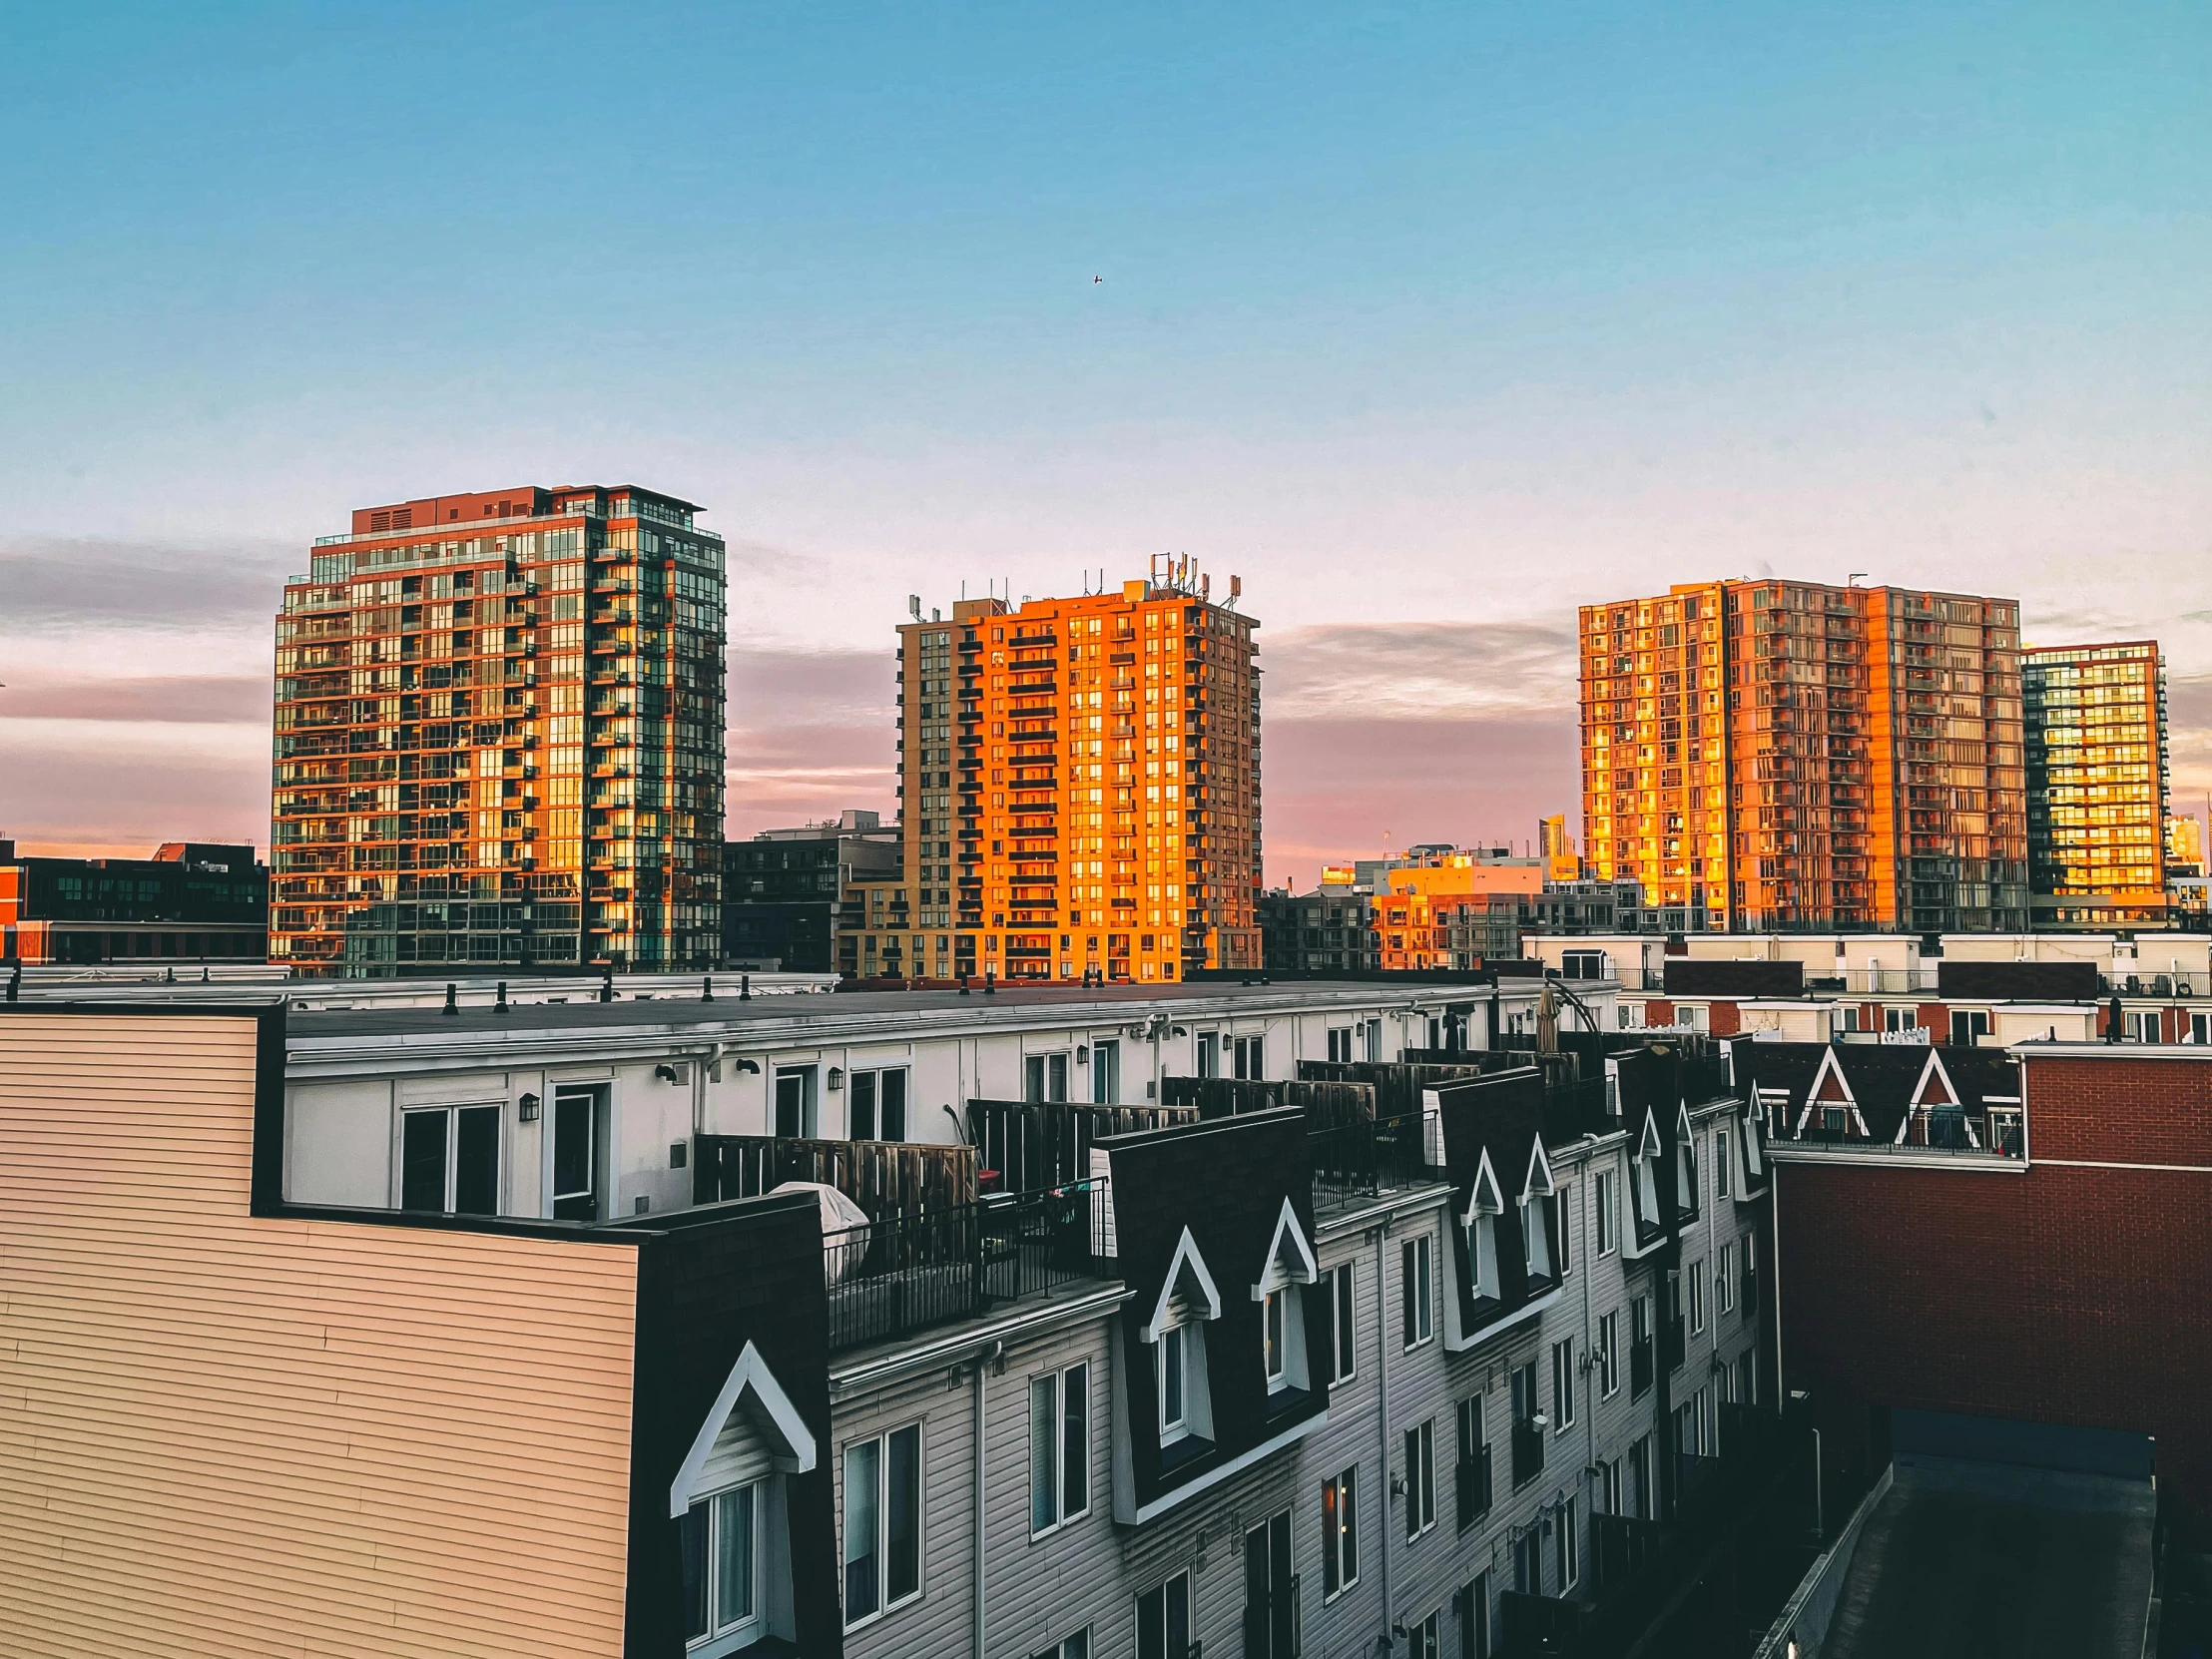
(190, 699)
(52, 584)
(1418, 671)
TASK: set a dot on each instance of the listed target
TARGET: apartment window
(1344, 1345)
(1339, 1044)
(1639, 1315)
(1900, 1019)
(1250, 1058)
(1639, 1474)
(1563, 1215)
(1608, 1498)
(1529, 1562)
(1569, 1561)
(1747, 1377)
(1271, 1628)
(449, 1160)
(1697, 1296)
(1164, 1620)
(1562, 1385)
(1339, 1534)
(1472, 1476)
(1418, 1316)
(2200, 1028)
(1423, 1639)
(1374, 1040)
(1474, 1619)
(1171, 1356)
(1044, 1077)
(1535, 1241)
(1608, 1212)
(1749, 1281)
(1275, 1341)
(1723, 1278)
(1420, 1479)
(1059, 1448)
(579, 1128)
(1609, 1354)
(1721, 1174)
(882, 1523)
(2142, 1025)
(1077, 1646)
(1105, 1073)
(876, 1102)
(721, 1547)
(1968, 1026)
(1209, 1054)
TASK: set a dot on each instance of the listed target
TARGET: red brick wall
(2063, 1294)
(1658, 1013)
(2121, 1110)
(1725, 1019)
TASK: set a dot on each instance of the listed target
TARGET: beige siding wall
(238, 1436)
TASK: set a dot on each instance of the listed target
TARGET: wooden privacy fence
(885, 1178)
(1033, 1144)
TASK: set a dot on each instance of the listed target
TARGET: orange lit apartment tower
(1783, 755)
(1080, 791)
(2096, 775)
(499, 738)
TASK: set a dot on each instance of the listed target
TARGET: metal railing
(1471, 1487)
(1993, 1132)
(1367, 1156)
(1528, 1452)
(893, 1278)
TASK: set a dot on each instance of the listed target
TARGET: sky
(1430, 321)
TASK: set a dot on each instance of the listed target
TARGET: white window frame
(1569, 1552)
(884, 1607)
(1051, 1461)
(1171, 1359)
(1339, 1044)
(1289, 1265)
(1723, 1180)
(1562, 1385)
(1723, 1278)
(1608, 1354)
(1420, 1479)
(1417, 1291)
(1340, 1541)
(876, 1074)
(1608, 1212)
(1697, 1296)
(739, 1632)
(1077, 1646)
(1163, 1590)
(1343, 1300)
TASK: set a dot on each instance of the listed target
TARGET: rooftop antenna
(1854, 578)
(913, 604)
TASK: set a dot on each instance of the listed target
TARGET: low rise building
(1329, 931)
(1404, 1353)
(783, 890)
(192, 902)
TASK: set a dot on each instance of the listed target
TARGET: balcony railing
(1528, 1452)
(1472, 1485)
(1993, 1132)
(893, 1277)
(1367, 1156)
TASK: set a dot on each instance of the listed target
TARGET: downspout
(983, 1364)
(1382, 1410)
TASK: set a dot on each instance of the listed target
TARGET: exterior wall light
(527, 1108)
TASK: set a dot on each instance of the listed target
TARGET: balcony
(1528, 1452)
(1997, 1133)
(892, 1279)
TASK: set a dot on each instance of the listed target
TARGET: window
(1564, 1220)
(1275, 1341)
(1421, 1640)
(2142, 1025)
(1474, 1619)
(1968, 1026)
(1562, 1385)
(1746, 1379)
(882, 1523)
(1077, 1646)
(1724, 1277)
(1720, 1163)
(1171, 1357)
(1639, 1474)
(1608, 1212)
(1846, 1017)
(1059, 1448)
(1343, 1345)
(1339, 1044)
(721, 1547)
(1251, 1057)
(1609, 1354)
(1271, 1591)
(1164, 1620)
(1697, 1296)
(877, 1101)
(1472, 1476)
(1569, 1554)
(1900, 1019)
(1608, 1498)
(1639, 1314)
(1209, 1054)
(1420, 1479)
(1415, 1290)
(1749, 1281)
(1044, 1077)
(1339, 1534)
(1374, 1040)
(449, 1160)
(1529, 1562)
(1105, 1073)
(1535, 1241)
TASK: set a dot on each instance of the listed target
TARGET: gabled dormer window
(1536, 1198)
(1485, 1205)
(1176, 1333)
(1289, 1266)
(729, 1508)
(1686, 1187)
(1643, 1172)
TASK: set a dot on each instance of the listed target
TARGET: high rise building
(499, 738)
(1768, 754)
(1080, 790)
(2096, 783)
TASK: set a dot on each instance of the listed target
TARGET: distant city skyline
(1431, 325)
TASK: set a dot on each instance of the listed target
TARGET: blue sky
(1431, 322)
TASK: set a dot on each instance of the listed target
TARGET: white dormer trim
(1274, 1276)
(1935, 1070)
(1684, 1135)
(1185, 1261)
(1538, 1182)
(1647, 1145)
(1483, 1196)
(782, 1427)
(1829, 1069)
